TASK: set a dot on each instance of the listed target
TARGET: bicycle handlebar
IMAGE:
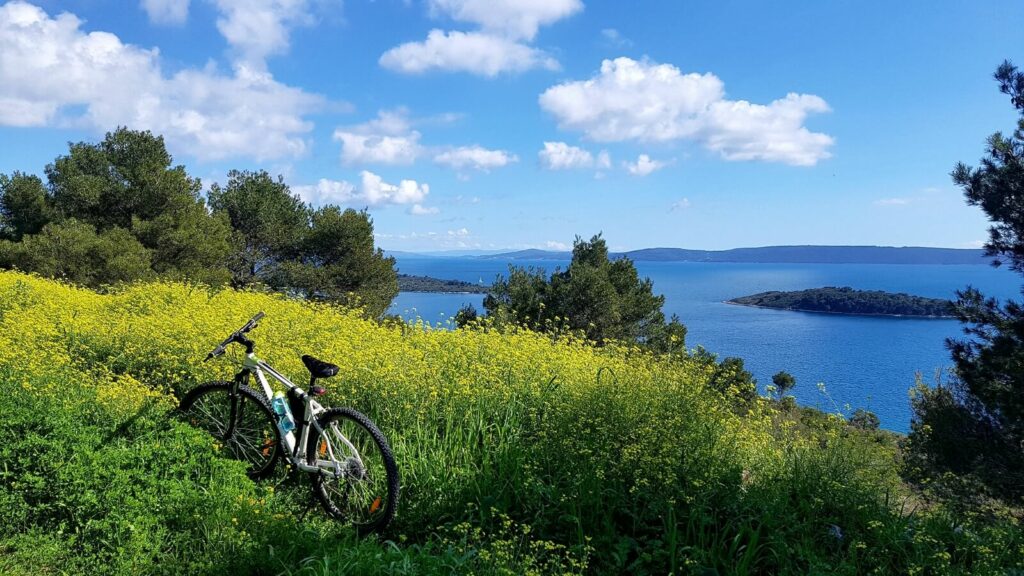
(236, 336)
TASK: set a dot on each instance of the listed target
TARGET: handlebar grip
(237, 336)
(251, 323)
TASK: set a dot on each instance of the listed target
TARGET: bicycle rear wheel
(251, 436)
(365, 493)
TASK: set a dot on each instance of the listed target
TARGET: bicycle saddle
(319, 368)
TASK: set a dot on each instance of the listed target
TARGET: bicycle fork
(236, 405)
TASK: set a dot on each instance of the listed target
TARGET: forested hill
(784, 255)
(849, 301)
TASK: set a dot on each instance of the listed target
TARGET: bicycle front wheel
(245, 423)
(363, 489)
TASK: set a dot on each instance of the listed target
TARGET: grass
(519, 454)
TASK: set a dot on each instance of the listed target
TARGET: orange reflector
(267, 446)
(323, 447)
(375, 506)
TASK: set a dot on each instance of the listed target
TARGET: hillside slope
(518, 454)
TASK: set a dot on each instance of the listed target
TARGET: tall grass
(519, 453)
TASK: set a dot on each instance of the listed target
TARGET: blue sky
(492, 124)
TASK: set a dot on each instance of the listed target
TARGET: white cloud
(557, 246)
(562, 156)
(388, 139)
(892, 202)
(373, 191)
(475, 158)
(681, 204)
(460, 233)
(645, 101)
(501, 45)
(378, 149)
(52, 73)
(166, 11)
(644, 165)
(327, 192)
(256, 29)
(420, 210)
(509, 18)
(472, 52)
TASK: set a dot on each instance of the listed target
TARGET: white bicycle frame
(296, 448)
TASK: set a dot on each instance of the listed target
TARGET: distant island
(409, 283)
(846, 300)
(782, 255)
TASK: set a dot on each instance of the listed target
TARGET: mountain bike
(353, 469)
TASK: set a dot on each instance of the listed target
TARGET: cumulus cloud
(474, 158)
(256, 29)
(557, 246)
(166, 11)
(562, 156)
(472, 52)
(53, 73)
(376, 191)
(388, 139)
(501, 45)
(648, 102)
(644, 165)
(327, 192)
(372, 191)
(378, 149)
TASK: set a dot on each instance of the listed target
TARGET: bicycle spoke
(357, 493)
(253, 435)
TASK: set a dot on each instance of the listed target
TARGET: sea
(841, 363)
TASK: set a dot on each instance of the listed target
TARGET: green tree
(337, 261)
(23, 207)
(783, 382)
(128, 181)
(466, 316)
(975, 426)
(102, 194)
(732, 379)
(269, 221)
(74, 252)
(864, 420)
(604, 299)
(521, 298)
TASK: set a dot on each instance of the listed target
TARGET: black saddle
(319, 368)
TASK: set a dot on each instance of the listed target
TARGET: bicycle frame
(296, 453)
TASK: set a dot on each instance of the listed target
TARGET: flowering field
(518, 454)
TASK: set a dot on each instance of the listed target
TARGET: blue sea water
(863, 362)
